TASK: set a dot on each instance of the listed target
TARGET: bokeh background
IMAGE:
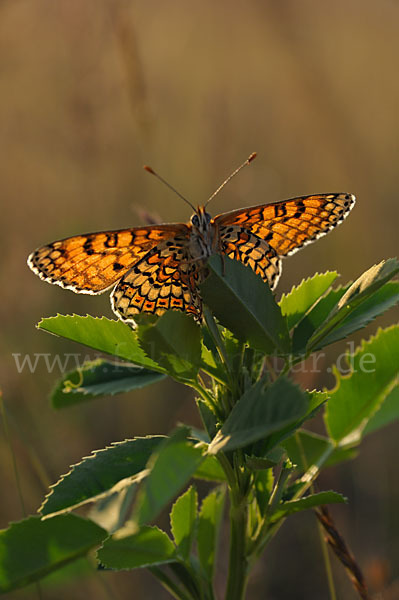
(89, 92)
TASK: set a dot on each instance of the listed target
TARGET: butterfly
(159, 267)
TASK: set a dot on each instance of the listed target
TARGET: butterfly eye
(195, 220)
(208, 217)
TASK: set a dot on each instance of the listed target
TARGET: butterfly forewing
(290, 224)
(91, 263)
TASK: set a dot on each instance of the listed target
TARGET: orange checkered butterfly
(158, 267)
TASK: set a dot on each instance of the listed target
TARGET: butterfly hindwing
(163, 279)
(240, 244)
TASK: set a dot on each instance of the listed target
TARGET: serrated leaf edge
(305, 280)
(93, 455)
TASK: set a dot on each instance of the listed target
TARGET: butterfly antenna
(150, 170)
(244, 164)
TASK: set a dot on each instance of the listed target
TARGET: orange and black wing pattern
(92, 263)
(165, 278)
(290, 224)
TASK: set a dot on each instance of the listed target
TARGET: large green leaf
(32, 548)
(260, 412)
(98, 474)
(111, 337)
(245, 305)
(301, 298)
(311, 501)
(356, 397)
(209, 521)
(362, 289)
(100, 378)
(183, 517)
(170, 468)
(174, 342)
(149, 546)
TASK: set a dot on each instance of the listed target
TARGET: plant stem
(238, 571)
(269, 531)
(327, 563)
(323, 544)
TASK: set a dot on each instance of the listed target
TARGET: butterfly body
(160, 267)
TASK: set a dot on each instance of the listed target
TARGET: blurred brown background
(89, 92)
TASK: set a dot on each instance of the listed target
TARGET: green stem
(268, 531)
(229, 472)
(327, 563)
(324, 549)
(238, 564)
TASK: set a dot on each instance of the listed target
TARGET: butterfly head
(200, 220)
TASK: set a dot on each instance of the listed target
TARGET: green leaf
(174, 342)
(264, 483)
(315, 319)
(207, 416)
(98, 474)
(182, 521)
(171, 467)
(111, 337)
(244, 304)
(126, 550)
(260, 463)
(316, 399)
(260, 412)
(305, 448)
(301, 298)
(32, 548)
(386, 414)
(357, 396)
(362, 289)
(112, 511)
(293, 506)
(209, 521)
(100, 378)
(380, 301)
(210, 470)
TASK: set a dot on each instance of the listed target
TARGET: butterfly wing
(164, 278)
(240, 244)
(290, 224)
(91, 263)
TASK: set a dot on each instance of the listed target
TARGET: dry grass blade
(341, 550)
